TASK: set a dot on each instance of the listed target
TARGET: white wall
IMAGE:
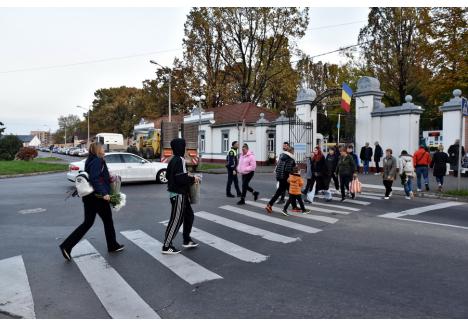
(366, 129)
(451, 127)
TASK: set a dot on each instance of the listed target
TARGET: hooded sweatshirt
(247, 163)
(178, 180)
(295, 184)
(285, 166)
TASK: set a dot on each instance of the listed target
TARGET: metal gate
(301, 137)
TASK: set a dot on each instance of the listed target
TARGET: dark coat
(330, 163)
(285, 166)
(453, 154)
(366, 153)
(378, 153)
(346, 166)
(439, 164)
(178, 180)
(98, 173)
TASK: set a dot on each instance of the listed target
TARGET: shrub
(9, 146)
(26, 154)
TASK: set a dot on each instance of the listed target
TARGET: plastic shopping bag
(355, 186)
(311, 194)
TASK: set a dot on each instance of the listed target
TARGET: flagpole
(338, 127)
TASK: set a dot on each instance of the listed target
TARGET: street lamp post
(199, 99)
(170, 86)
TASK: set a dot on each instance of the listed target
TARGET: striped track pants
(181, 212)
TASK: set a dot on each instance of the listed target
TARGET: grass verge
(209, 166)
(22, 167)
(461, 192)
(48, 159)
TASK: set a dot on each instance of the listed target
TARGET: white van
(111, 141)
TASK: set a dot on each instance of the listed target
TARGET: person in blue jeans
(422, 159)
(406, 169)
(366, 157)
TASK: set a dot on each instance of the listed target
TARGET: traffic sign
(464, 106)
(300, 147)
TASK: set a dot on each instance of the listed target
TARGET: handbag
(82, 184)
(355, 186)
(194, 193)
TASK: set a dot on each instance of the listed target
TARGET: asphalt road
(358, 266)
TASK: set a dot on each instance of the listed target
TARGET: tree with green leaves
(9, 146)
(2, 128)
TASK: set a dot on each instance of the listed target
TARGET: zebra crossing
(118, 297)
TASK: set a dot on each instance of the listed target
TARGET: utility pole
(338, 127)
(170, 86)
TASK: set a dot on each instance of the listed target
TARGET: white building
(451, 115)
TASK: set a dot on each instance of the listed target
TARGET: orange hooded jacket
(295, 184)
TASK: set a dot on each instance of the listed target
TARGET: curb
(28, 174)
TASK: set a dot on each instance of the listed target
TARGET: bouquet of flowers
(117, 198)
(403, 178)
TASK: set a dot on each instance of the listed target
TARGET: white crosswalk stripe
(245, 228)
(118, 298)
(182, 266)
(319, 218)
(315, 203)
(15, 293)
(374, 197)
(349, 200)
(226, 246)
(273, 220)
(324, 210)
(423, 209)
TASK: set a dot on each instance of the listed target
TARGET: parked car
(74, 151)
(83, 152)
(130, 167)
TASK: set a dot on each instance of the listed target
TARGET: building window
(271, 142)
(202, 142)
(225, 141)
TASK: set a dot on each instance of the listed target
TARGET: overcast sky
(38, 37)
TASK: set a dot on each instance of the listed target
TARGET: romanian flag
(346, 96)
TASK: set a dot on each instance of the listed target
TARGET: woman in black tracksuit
(95, 203)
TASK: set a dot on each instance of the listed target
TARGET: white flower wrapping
(117, 198)
(121, 203)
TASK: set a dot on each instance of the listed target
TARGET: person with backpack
(178, 186)
(345, 169)
(95, 203)
(283, 169)
(366, 157)
(246, 168)
(406, 173)
(232, 160)
(421, 161)
(315, 171)
(378, 154)
(439, 164)
(455, 160)
(295, 184)
(389, 172)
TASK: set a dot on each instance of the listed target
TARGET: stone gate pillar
(306, 112)
(451, 120)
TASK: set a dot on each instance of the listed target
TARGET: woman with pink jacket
(246, 168)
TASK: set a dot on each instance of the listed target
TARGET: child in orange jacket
(295, 185)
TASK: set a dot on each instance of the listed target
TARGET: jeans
(408, 186)
(93, 206)
(232, 178)
(245, 183)
(366, 167)
(440, 180)
(388, 187)
(424, 172)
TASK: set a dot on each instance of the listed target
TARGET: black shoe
(255, 194)
(427, 187)
(65, 253)
(118, 249)
(353, 195)
(241, 202)
(190, 244)
(342, 199)
(171, 250)
(281, 201)
(230, 196)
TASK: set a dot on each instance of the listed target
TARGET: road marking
(354, 209)
(423, 209)
(118, 298)
(318, 209)
(15, 293)
(186, 269)
(269, 219)
(245, 228)
(368, 197)
(366, 185)
(32, 211)
(348, 200)
(424, 222)
(226, 246)
(320, 218)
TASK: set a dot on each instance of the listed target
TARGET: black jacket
(378, 153)
(285, 166)
(346, 165)
(98, 173)
(178, 180)
(366, 153)
(232, 160)
(330, 163)
(439, 163)
(453, 154)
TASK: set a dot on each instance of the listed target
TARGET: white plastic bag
(311, 194)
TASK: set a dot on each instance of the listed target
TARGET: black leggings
(246, 178)
(93, 206)
(388, 187)
(344, 183)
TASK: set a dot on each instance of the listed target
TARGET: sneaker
(241, 202)
(268, 209)
(119, 248)
(377, 173)
(255, 194)
(427, 187)
(65, 253)
(390, 194)
(419, 190)
(171, 250)
(281, 201)
(407, 197)
(411, 194)
(230, 195)
(284, 212)
(306, 211)
(190, 244)
(386, 197)
(353, 195)
(342, 199)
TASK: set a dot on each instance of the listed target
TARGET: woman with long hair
(95, 203)
(316, 171)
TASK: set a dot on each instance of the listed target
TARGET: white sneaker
(386, 197)
(419, 190)
(377, 173)
(390, 194)
(407, 197)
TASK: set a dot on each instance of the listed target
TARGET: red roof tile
(230, 114)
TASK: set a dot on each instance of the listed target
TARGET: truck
(111, 141)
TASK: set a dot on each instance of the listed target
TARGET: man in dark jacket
(283, 169)
(178, 186)
(366, 157)
(453, 156)
(331, 162)
(378, 154)
(345, 169)
(232, 162)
